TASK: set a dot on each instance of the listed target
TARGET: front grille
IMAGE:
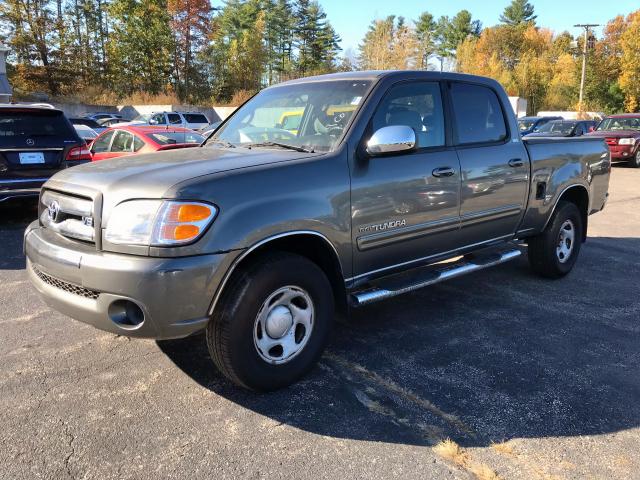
(66, 286)
(68, 215)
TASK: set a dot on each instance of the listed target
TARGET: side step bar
(444, 272)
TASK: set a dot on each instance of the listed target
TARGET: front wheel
(635, 161)
(554, 252)
(272, 322)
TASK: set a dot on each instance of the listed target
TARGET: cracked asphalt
(530, 378)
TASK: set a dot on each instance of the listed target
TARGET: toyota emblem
(54, 211)
(30, 142)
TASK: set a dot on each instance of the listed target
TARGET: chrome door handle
(443, 172)
(516, 162)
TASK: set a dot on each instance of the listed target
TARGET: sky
(351, 18)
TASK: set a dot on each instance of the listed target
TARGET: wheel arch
(579, 196)
(307, 243)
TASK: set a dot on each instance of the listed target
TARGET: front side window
(478, 116)
(101, 143)
(158, 119)
(323, 111)
(174, 118)
(417, 105)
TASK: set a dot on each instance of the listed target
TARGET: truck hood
(151, 175)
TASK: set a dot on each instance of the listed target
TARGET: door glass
(101, 144)
(158, 119)
(122, 142)
(174, 118)
(417, 105)
(477, 113)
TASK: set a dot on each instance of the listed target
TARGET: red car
(622, 134)
(131, 140)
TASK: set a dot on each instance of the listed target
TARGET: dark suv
(35, 143)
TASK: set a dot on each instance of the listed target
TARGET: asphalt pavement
(499, 374)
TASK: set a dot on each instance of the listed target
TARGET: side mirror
(393, 139)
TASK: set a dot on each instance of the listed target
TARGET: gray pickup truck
(317, 196)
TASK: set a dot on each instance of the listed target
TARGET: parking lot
(530, 378)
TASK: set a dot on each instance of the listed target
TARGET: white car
(192, 120)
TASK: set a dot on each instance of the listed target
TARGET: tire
(549, 257)
(279, 293)
(635, 161)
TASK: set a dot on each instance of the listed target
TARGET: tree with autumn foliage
(630, 62)
(191, 25)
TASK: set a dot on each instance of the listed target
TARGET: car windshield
(557, 127)
(170, 138)
(525, 124)
(617, 123)
(309, 115)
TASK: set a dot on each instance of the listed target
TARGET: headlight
(627, 141)
(158, 222)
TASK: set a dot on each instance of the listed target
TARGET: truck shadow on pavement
(14, 218)
(486, 358)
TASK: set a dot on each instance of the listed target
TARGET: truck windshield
(309, 115)
(613, 123)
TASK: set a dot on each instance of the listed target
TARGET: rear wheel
(272, 322)
(554, 252)
(635, 162)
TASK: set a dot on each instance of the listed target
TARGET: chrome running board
(388, 288)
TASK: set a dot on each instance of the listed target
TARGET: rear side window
(417, 105)
(18, 126)
(172, 138)
(478, 116)
(195, 118)
(137, 144)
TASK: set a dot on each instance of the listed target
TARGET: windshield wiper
(281, 145)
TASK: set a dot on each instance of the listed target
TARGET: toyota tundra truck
(392, 181)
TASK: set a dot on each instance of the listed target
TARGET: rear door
(405, 205)
(494, 165)
(33, 145)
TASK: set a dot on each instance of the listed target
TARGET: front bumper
(172, 295)
(622, 152)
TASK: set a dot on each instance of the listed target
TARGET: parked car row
(620, 132)
(37, 141)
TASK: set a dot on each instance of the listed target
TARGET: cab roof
(377, 75)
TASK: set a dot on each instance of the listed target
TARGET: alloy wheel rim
(566, 240)
(283, 325)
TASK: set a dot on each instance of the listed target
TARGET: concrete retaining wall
(129, 112)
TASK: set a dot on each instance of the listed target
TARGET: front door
(405, 206)
(494, 168)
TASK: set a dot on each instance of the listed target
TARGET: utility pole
(587, 27)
